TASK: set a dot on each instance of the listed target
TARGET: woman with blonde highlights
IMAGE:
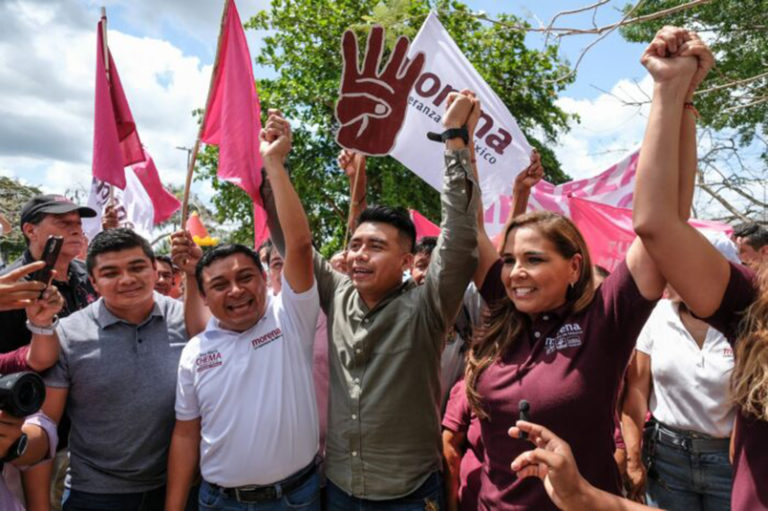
(554, 347)
(728, 296)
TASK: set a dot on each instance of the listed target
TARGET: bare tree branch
(727, 205)
(561, 32)
(759, 101)
(593, 6)
(734, 83)
(593, 43)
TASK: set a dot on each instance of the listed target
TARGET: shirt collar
(106, 319)
(402, 288)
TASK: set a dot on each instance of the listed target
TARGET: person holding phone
(41, 217)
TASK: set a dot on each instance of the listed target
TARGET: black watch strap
(18, 448)
(448, 134)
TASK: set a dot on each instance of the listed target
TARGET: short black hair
(167, 260)
(426, 245)
(114, 240)
(221, 252)
(753, 234)
(396, 217)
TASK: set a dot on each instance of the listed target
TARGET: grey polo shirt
(122, 382)
(383, 437)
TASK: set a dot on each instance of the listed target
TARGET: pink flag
(614, 186)
(608, 230)
(232, 118)
(423, 226)
(116, 142)
(164, 202)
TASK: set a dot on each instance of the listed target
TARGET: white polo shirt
(254, 393)
(690, 388)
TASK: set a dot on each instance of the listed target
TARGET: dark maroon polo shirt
(460, 419)
(569, 367)
(750, 470)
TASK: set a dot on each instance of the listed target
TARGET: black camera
(21, 394)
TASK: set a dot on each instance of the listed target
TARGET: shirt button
(357, 381)
(366, 321)
(537, 334)
(358, 351)
(354, 453)
(545, 317)
(354, 417)
(140, 340)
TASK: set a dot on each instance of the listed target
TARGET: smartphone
(50, 254)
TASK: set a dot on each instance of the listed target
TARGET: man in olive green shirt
(385, 340)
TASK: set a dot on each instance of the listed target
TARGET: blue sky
(164, 51)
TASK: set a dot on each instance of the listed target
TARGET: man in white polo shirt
(245, 400)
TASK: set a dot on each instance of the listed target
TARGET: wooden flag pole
(105, 51)
(196, 147)
(352, 194)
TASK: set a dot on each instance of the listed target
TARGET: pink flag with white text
(116, 142)
(164, 203)
(423, 226)
(614, 186)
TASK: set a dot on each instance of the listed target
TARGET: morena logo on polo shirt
(728, 352)
(267, 338)
(569, 336)
(208, 360)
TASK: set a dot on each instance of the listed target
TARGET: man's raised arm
(275, 145)
(455, 257)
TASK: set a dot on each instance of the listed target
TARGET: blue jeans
(74, 500)
(682, 480)
(431, 492)
(305, 497)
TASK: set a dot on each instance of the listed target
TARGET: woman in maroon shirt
(727, 296)
(557, 342)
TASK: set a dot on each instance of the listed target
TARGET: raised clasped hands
(184, 252)
(462, 107)
(372, 104)
(275, 138)
(678, 56)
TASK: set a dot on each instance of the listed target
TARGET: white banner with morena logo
(501, 149)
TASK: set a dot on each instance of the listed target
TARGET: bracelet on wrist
(43, 330)
(690, 106)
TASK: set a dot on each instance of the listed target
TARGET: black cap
(52, 205)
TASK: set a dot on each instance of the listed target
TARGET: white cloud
(46, 104)
(608, 130)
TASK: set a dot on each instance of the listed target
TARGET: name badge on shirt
(569, 336)
(208, 360)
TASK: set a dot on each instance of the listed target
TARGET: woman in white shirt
(680, 373)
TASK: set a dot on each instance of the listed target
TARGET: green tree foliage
(737, 31)
(13, 195)
(302, 51)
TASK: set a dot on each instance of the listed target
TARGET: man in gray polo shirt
(117, 374)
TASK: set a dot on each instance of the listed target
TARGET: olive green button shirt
(383, 438)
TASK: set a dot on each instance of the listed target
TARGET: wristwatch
(18, 448)
(450, 133)
(43, 330)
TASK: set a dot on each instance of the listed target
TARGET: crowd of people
(510, 377)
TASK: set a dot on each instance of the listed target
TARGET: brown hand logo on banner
(371, 106)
